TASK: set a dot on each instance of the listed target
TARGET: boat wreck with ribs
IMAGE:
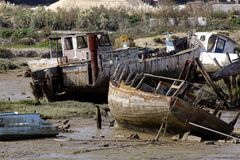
(80, 64)
(147, 101)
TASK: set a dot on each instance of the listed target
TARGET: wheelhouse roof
(209, 34)
(59, 34)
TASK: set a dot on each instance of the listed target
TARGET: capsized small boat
(21, 126)
(147, 104)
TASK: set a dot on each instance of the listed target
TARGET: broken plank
(209, 81)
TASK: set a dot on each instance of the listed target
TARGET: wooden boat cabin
(84, 62)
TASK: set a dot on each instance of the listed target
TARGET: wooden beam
(209, 81)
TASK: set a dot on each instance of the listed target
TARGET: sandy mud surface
(87, 142)
(14, 86)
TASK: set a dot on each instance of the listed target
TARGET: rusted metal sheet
(92, 43)
(76, 75)
(17, 126)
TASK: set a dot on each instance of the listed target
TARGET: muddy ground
(14, 86)
(85, 141)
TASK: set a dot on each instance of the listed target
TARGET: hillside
(85, 4)
(32, 2)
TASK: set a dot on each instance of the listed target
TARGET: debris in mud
(193, 138)
(221, 141)
(27, 73)
(66, 121)
(176, 137)
(209, 142)
(111, 124)
(133, 136)
(104, 145)
(64, 127)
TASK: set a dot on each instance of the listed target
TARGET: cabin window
(220, 45)
(103, 40)
(202, 38)
(81, 43)
(68, 43)
(211, 43)
(56, 47)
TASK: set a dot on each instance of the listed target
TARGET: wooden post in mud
(159, 132)
(34, 94)
(99, 118)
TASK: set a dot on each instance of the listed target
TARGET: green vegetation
(6, 64)
(54, 110)
(31, 27)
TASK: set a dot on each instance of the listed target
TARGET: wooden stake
(34, 94)
(99, 118)
(160, 130)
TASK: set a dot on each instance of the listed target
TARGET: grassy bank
(11, 64)
(54, 110)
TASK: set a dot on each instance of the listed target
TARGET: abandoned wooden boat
(146, 107)
(21, 126)
(82, 63)
(187, 113)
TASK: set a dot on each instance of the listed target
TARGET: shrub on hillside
(98, 19)
(26, 21)
(235, 21)
(21, 17)
(40, 18)
(219, 15)
(63, 19)
(6, 33)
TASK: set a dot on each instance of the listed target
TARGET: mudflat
(85, 141)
